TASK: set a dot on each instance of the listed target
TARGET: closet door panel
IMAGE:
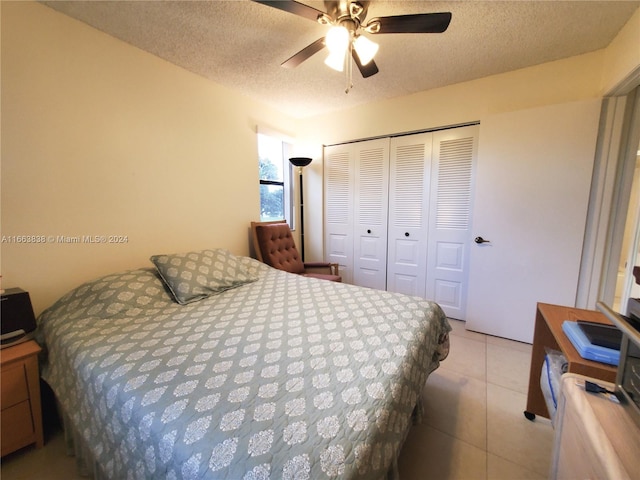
(370, 213)
(409, 170)
(339, 164)
(452, 182)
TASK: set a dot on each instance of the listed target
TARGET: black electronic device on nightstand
(17, 320)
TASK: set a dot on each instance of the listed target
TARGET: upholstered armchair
(274, 245)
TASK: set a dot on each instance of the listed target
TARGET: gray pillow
(193, 276)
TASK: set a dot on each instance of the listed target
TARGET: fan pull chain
(349, 68)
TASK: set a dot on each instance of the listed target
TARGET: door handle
(480, 240)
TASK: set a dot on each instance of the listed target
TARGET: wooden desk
(548, 333)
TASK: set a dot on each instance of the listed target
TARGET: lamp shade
(335, 60)
(300, 161)
(337, 39)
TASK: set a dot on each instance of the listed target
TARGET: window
(275, 183)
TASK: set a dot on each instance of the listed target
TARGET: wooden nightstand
(21, 416)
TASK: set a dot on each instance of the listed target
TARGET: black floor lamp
(301, 162)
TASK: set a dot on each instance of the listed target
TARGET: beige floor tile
(467, 356)
(429, 453)
(508, 367)
(457, 405)
(500, 469)
(459, 329)
(505, 342)
(511, 436)
(48, 463)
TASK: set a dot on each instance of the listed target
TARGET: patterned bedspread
(286, 377)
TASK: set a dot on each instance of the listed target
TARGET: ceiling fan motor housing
(350, 18)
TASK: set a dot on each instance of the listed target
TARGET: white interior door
(532, 194)
(410, 167)
(339, 164)
(370, 213)
(452, 192)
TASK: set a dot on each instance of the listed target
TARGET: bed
(210, 366)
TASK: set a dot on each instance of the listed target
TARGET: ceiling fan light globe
(335, 60)
(337, 39)
(365, 48)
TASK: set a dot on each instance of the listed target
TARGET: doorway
(626, 284)
(622, 209)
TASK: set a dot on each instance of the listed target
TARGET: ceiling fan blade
(333, 8)
(304, 54)
(366, 70)
(294, 7)
(417, 23)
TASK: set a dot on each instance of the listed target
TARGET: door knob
(368, 231)
(481, 240)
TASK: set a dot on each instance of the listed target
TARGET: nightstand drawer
(17, 427)
(21, 414)
(13, 386)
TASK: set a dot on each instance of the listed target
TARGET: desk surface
(554, 316)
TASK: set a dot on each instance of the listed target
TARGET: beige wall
(100, 138)
(567, 80)
(622, 56)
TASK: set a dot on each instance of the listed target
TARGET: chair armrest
(322, 267)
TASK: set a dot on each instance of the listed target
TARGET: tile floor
(473, 429)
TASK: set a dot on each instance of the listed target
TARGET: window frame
(287, 175)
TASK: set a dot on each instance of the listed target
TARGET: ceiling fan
(345, 38)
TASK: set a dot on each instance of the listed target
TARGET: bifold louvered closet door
(398, 213)
(356, 231)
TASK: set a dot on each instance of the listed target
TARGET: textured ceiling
(241, 44)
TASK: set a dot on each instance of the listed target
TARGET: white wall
(100, 138)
